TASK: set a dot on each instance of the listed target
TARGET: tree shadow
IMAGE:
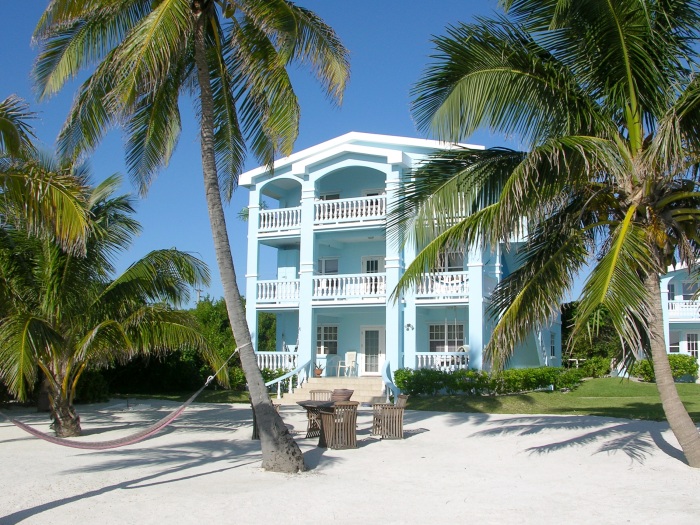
(637, 439)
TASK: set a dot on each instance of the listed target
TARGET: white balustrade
(445, 284)
(684, 310)
(275, 360)
(358, 209)
(277, 291)
(349, 286)
(445, 361)
(279, 220)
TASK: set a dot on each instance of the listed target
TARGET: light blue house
(681, 312)
(321, 259)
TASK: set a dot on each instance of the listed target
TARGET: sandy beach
(450, 468)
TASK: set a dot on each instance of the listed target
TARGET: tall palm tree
(43, 202)
(605, 99)
(231, 56)
(64, 314)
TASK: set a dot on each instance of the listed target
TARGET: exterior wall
(347, 168)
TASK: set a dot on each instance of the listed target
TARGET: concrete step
(365, 389)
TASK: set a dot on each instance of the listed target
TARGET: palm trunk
(279, 450)
(676, 414)
(66, 421)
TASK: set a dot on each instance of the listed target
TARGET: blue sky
(389, 44)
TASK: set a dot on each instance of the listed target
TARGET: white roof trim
(343, 144)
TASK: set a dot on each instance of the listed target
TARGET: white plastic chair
(349, 364)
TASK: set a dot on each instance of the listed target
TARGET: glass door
(372, 349)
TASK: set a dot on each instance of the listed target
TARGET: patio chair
(387, 419)
(349, 364)
(341, 394)
(320, 395)
(338, 425)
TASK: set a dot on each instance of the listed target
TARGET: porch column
(307, 343)
(251, 275)
(410, 321)
(392, 267)
(477, 321)
(663, 290)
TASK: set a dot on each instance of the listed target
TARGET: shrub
(596, 367)
(568, 378)
(681, 365)
(236, 378)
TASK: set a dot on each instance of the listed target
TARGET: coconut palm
(43, 202)
(231, 57)
(63, 314)
(605, 100)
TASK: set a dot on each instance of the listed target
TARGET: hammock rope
(126, 440)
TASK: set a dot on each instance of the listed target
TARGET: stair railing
(301, 373)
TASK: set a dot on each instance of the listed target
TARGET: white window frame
(330, 196)
(552, 346)
(322, 263)
(692, 344)
(445, 265)
(443, 342)
(327, 339)
(671, 291)
(689, 288)
(674, 342)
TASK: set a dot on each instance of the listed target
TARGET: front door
(372, 350)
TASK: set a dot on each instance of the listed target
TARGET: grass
(609, 397)
(596, 397)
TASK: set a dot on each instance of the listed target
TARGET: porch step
(366, 389)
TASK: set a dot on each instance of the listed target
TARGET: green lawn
(599, 397)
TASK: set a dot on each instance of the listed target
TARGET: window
(693, 345)
(674, 342)
(450, 262)
(328, 266)
(330, 196)
(689, 290)
(326, 339)
(552, 346)
(671, 291)
(446, 337)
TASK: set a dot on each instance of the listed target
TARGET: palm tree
(64, 314)
(42, 202)
(231, 56)
(605, 99)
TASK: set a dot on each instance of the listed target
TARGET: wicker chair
(338, 425)
(387, 419)
(320, 395)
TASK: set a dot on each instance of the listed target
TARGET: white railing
(684, 309)
(275, 360)
(445, 284)
(445, 361)
(349, 286)
(279, 219)
(358, 209)
(277, 291)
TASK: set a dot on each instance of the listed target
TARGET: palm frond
(16, 135)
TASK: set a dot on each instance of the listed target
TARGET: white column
(477, 321)
(394, 328)
(252, 266)
(307, 343)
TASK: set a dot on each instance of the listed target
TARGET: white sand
(451, 468)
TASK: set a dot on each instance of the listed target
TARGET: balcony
(445, 285)
(282, 220)
(281, 293)
(686, 310)
(348, 287)
(356, 210)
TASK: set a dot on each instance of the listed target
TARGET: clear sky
(389, 44)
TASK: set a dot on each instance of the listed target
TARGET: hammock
(126, 440)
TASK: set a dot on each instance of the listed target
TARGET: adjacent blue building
(321, 259)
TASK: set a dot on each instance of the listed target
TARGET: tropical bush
(596, 367)
(681, 366)
(92, 388)
(430, 382)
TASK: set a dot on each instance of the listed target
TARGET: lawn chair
(341, 394)
(387, 419)
(348, 365)
(320, 395)
(338, 425)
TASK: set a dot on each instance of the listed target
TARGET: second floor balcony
(346, 287)
(685, 310)
(355, 210)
